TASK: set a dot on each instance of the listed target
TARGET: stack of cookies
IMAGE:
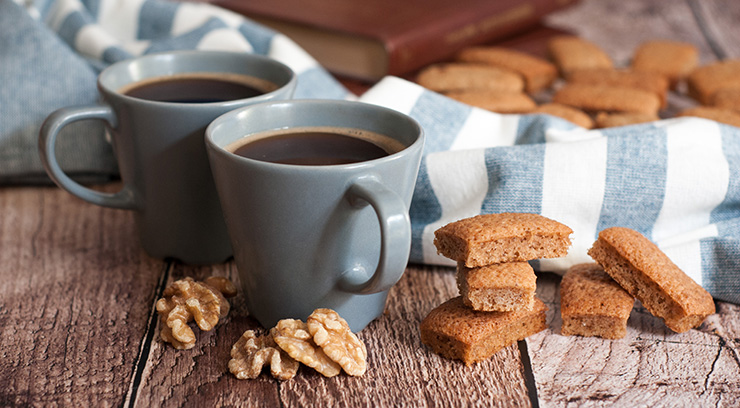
(497, 305)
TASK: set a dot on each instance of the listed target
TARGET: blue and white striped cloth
(677, 181)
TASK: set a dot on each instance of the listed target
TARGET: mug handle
(47, 141)
(395, 237)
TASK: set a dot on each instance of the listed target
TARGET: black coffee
(197, 89)
(316, 147)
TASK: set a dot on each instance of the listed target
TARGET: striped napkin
(676, 181)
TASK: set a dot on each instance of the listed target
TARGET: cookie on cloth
(672, 59)
(571, 53)
(594, 98)
(495, 101)
(460, 77)
(538, 73)
(569, 113)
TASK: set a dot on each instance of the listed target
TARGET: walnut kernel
(185, 300)
(252, 352)
(332, 333)
(293, 337)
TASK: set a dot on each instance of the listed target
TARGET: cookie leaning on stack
(497, 306)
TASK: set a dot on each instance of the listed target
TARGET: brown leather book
(372, 38)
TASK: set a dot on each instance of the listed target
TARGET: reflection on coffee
(316, 146)
(199, 88)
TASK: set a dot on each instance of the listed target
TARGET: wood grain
(401, 371)
(74, 302)
(651, 366)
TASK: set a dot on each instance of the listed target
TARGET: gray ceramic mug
(306, 237)
(167, 180)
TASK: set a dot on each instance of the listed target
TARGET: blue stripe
(115, 54)
(731, 149)
(514, 179)
(531, 128)
(424, 210)
(71, 26)
(721, 268)
(187, 41)
(441, 118)
(317, 83)
(636, 167)
(93, 6)
(156, 19)
(258, 36)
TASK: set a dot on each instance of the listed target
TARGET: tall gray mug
(310, 227)
(156, 109)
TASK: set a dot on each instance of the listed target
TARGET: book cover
(373, 38)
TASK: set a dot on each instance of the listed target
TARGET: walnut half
(252, 352)
(185, 300)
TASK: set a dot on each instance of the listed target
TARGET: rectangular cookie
(507, 237)
(566, 112)
(607, 98)
(458, 332)
(704, 81)
(647, 81)
(721, 115)
(502, 287)
(571, 53)
(538, 73)
(643, 270)
(494, 101)
(672, 59)
(606, 120)
(460, 77)
(592, 304)
(727, 98)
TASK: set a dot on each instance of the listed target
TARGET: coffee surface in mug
(199, 88)
(316, 146)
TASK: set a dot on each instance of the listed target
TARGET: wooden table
(79, 328)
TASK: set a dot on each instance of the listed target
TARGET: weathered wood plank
(74, 302)
(620, 26)
(401, 371)
(651, 366)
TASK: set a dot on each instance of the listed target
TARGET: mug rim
(267, 96)
(418, 143)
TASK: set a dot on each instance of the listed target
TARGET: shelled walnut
(186, 300)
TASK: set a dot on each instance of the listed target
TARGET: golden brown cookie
(706, 80)
(647, 81)
(647, 273)
(593, 304)
(572, 53)
(500, 102)
(538, 73)
(726, 116)
(502, 287)
(606, 120)
(459, 332)
(672, 59)
(568, 113)
(727, 98)
(507, 237)
(453, 77)
(607, 98)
